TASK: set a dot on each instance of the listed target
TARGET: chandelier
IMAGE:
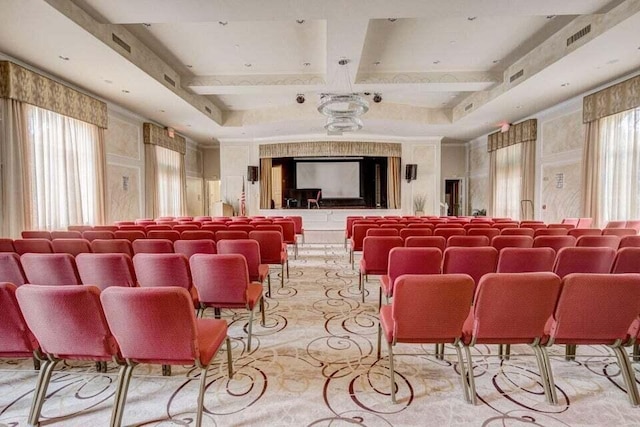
(342, 109)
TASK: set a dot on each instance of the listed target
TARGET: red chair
(71, 246)
(467, 241)
(152, 246)
(33, 245)
(36, 234)
(564, 225)
(448, 232)
(315, 200)
(131, 227)
(525, 260)
(250, 249)
(130, 235)
(598, 309)
(223, 282)
(550, 232)
(190, 247)
(536, 225)
(584, 260)
(490, 232)
(554, 242)
(104, 270)
(112, 228)
(271, 251)
(80, 228)
(512, 308)
(6, 245)
(621, 232)
(171, 235)
(152, 227)
(229, 234)
(380, 231)
(357, 237)
(420, 225)
(158, 326)
(50, 269)
(627, 261)
(426, 242)
(598, 241)
(577, 232)
(69, 324)
(241, 227)
(517, 232)
(633, 223)
(408, 232)
(427, 309)
(269, 227)
(122, 246)
(297, 222)
(502, 225)
(92, 235)
(214, 227)
(616, 224)
(476, 262)
(375, 257)
(16, 340)
(288, 234)
(162, 270)
(629, 242)
(184, 227)
(571, 221)
(408, 261)
(584, 223)
(66, 235)
(11, 270)
(348, 229)
(198, 235)
(469, 226)
(513, 241)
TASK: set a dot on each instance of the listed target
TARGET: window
(508, 182)
(169, 189)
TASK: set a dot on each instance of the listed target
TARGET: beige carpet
(314, 364)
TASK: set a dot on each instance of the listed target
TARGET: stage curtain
(527, 185)
(394, 176)
(266, 187)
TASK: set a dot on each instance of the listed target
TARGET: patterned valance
(23, 85)
(612, 100)
(520, 132)
(156, 135)
(331, 149)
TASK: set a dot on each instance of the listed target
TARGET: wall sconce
(411, 172)
(171, 132)
(252, 174)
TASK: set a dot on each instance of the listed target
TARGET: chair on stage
(315, 200)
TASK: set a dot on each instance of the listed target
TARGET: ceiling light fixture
(146, 24)
(392, 19)
(472, 18)
(342, 107)
(125, 91)
(64, 58)
(248, 64)
(300, 21)
(223, 23)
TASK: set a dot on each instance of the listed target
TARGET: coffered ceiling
(231, 69)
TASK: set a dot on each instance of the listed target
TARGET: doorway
(452, 196)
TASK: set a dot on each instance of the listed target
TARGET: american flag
(243, 206)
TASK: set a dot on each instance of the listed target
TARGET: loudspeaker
(252, 174)
(411, 172)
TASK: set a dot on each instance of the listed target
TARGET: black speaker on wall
(410, 172)
(252, 174)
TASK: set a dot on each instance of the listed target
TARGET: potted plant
(479, 212)
(418, 204)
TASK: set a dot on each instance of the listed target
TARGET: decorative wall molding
(520, 132)
(331, 149)
(612, 100)
(156, 135)
(24, 85)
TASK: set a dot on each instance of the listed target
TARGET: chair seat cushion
(385, 285)
(386, 321)
(211, 334)
(254, 293)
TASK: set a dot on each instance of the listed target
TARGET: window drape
(266, 186)
(506, 164)
(166, 182)
(590, 172)
(394, 177)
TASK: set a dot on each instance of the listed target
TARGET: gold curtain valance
(520, 132)
(331, 149)
(612, 100)
(26, 86)
(156, 135)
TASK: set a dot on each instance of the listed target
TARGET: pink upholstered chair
(190, 247)
(467, 241)
(381, 231)
(171, 235)
(112, 228)
(584, 223)
(36, 234)
(571, 221)
(6, 245)
(288, 234)
(627, 261)
(241, 226)
(271, 252)
(448, 232)
(633, 223)
(228, 234)
(502, 225)
(69, 324)
(198, 235)
(315, 200)
(525, 260)
(71, 246)
(357, 237)
(131, 235)
(158, 326)
(104, 270)
(564, 225)
(185, 227)
(214, 227)
(598, 241)
(16, 340)
(223, 281)
(584, 260)
(490, 232)
(427, 309)
(598, 309)
(66, 235)
(550, 232)
(517, 232)
(33, 245)
(131, 227)
(577, 232)
(426, 242)
(513, 241)
(375, 257)
(152, 246)
(80, 228)
(554, 242)
(621, 232)
(92, 235)
(250, 249)
(629, 242)
(512, 308)
(348, 229)
(122, 246)
(408, 232)
(50, 269)
(11, 270)
(151, 227)
(475, 262)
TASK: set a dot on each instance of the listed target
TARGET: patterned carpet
(314, 364)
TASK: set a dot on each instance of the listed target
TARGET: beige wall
(478, 161)
(211, 165)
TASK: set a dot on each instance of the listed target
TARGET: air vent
(580, 34)
(468, 107)
(121, 42)
(207, 109)
(516, 76)
(169, 80)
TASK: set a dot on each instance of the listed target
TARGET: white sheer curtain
(507, 181)
(170, 188)
(64, 162)
(619, 150)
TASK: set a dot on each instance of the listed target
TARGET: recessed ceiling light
(472, 18)
(565, 84)
(125, 91)
(392, 19)
(436, 62)
(248, 64)
(64, 58)
(306, 64)
(300, 21)
(223, 23)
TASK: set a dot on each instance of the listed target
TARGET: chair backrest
(36, 234)
(122, 246)
(475, 262)
(629, 242)
(358, 234)
(198, 235)
(584, 260)
(382, 231)
(525, 260)
(502, 225)
(71, 246)
(269, 227)
(221, 278)
(66, 235)
(511, 241)
(131, 227)
(468, 241)
(577, 232)
(297, 222)
(16, 340)
(598, 241)
(130, 235)
(571, 221)
(229, 234)
(50, 269)
(112, 228)
(431, 307)
(426, 242)
(104, 270)
(214, 227)
(514, 307)
(627, 261)
(270, 243)
(152, 246)
(448, 232)
(190, 247)
(408, 232)
(241, 227)
(11, 269)
(180, 228)
(476, 225)
(288, 230)
(171, 235)
(153, 325)
(517, 232)
(414, 260)
(33, 245)
(554, 242)
(6, 245)
(550, 232)
(80, 228)
(151, 227)
(249, 248)
(162, 270)
(490, 232)
(633, 223)
(619, 232)
(596, 308)
(68, 321)
(92, 235)
(564, 225)
(375, 253)
(584, 223)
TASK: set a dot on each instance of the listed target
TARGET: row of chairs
(126, 325)
(538, 309)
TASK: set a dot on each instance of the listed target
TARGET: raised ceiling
(443, 67)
